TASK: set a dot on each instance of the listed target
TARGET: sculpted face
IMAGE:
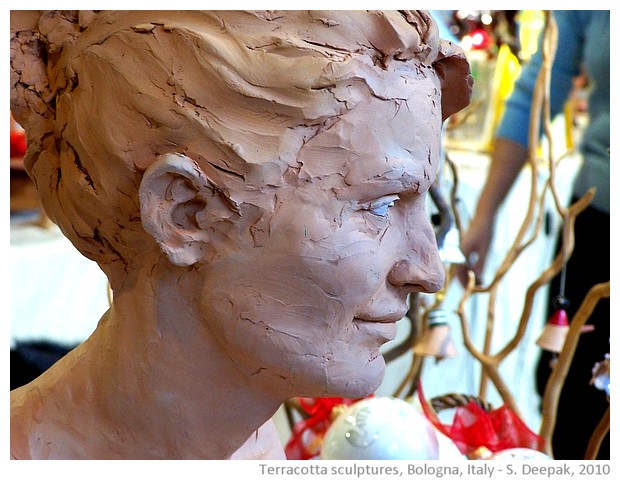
(304, 143)
(349, 239)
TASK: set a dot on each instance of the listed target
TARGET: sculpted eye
(380, 206)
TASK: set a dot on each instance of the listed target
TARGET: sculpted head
(280, 159)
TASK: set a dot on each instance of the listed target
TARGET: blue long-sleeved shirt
(583, 40)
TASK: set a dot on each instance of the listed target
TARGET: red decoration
(559, 318)
(473, 427)
(18, 144)
(307, 435)
(18, 139)
(480, 39)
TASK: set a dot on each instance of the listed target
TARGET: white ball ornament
(380, 428)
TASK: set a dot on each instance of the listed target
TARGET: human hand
(475, 243)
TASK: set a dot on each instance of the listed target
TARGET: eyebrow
(372, 188)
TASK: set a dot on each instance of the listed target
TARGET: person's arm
(507, 161)
(510, 149)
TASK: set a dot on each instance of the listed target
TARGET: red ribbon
(473, 427)
(307, 434)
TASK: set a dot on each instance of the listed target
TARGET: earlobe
(173, 190)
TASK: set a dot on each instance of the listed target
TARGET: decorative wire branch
(294, 405)
(545, 277)
(550, 272)
(555, 382)
(540, 101)
(490, 363)
(535, 213)
(597, 437)
(453, 193)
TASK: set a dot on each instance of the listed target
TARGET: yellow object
(507, 70)
(531, 23)
(568, 125)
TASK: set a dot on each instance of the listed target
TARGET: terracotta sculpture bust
(253, 185)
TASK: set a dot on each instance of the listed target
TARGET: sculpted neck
(175, 373)
(151, 383)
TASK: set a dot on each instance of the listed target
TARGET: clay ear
(456, 80)
(173, 190)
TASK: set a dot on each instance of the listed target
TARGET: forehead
(380, 143)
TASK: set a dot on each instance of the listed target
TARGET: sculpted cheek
(278, 296)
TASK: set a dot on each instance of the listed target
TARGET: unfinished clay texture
(253, 184)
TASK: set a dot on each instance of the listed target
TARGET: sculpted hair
(103, 94)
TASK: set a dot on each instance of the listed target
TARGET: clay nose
(423, 276)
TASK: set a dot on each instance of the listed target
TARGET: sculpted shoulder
(38, 427)
(26, 406)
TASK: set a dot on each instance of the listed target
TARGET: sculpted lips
(391, 317)
(383, 327)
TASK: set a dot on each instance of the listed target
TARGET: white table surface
(56, 294)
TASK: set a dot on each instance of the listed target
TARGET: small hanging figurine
(436, 340)
(554, 333)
